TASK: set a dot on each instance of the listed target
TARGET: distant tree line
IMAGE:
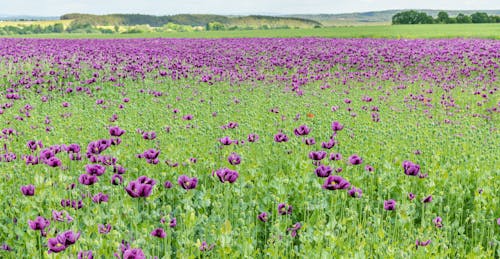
(414, 17)
(32, 29)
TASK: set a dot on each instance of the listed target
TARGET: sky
(225, 7)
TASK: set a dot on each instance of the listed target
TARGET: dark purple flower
(234, 159)
(302, 130)
(226, 175)
(61, 216)
(355, 192)
(55, 246)
(335, 182)
(411, 196)
(252, 137)
(309, 141)
(86, 179)
(172, 223)
(284, 209)
(168, 184)
(390, 205)
(134, 253)
(226, 141)
(369, 168)
(422, 243)
(159, 232)
(115, 131)
(330, 144)
(142, 187)
(438, 222)
(95, 169)
(149, 135)
(263, 217)
(6, 247)
(280, 137)
(53, 162)
(410, 168)
(335, 156)
(28, 190)
(323, 171)
(40, 223)
(317, 155)
(336, 126)
(104, 229)
(188, 117)
(355, 160)
(293, 230)
(187, 183)
(116, 179)
(85, 254)
(100, 197)
(427, 199)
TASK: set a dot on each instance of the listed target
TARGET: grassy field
(488, 31)
(28, 23)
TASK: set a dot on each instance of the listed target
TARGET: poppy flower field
(249, 148)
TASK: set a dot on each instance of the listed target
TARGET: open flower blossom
(28, 190)
(115, 131)
(355, 160)
(390, 205)
(226, 175)
(293, 230)
(317, 155)
(234, 159)
(62, 241)
(159, 232)
(422, 243)
(355, 192)
(280, 137)
(284, 209)
(104, 229)
(205, 247)
(335, 182)
(336, 126)
(427, 199)
(410, 168)
(264, 217)
(187, 183)
(438, 222)
(142, 187)
(323, 171)
(40, 223)
(302, 130)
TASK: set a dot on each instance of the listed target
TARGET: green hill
(252, 21)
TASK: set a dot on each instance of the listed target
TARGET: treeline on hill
(414, 17)
(208, 21)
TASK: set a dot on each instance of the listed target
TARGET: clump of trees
(414, 17)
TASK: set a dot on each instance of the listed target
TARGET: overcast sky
(163, 7)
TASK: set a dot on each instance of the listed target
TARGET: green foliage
(412, 17)
(462, 18)
(215, 26)
(443, 17)
(480, 18)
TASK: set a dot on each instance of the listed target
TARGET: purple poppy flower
(159, 232)
(100, 197)
(61, 216)
(119, 169)
(411, 196)
(317, 155)
(134, 253)
(438, 222)
(115, 131)
(284, 209)
(263, 217)
(205, 247)
(226, 141)
(95, 169)
(188, 117)
(226, 175)
(293, 230)
(330, 144)
(142, 187)
(427, 199)
(149, 135)
(172, 223)
(28, 190)
(85, 254)
(410, 168)
(323, 171)
(335, 182)
(187, 183)
(40, 223)
(104, 229)
(168, 185)
(498, 221)
(54, 246)
(53, 162)
(234, 159)
(86, 179)
(422, 243)
(6, 247)
(390, 205)
(355, 160)
(302, 130)
(68, 238)
(369, 168)
(309, 141)
(252, 137)
(335, 156)
(336, 126)
(280, 137)
(355, 192)
(116, 179)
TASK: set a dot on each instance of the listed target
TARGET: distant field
(489, 31)
(28, 23)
